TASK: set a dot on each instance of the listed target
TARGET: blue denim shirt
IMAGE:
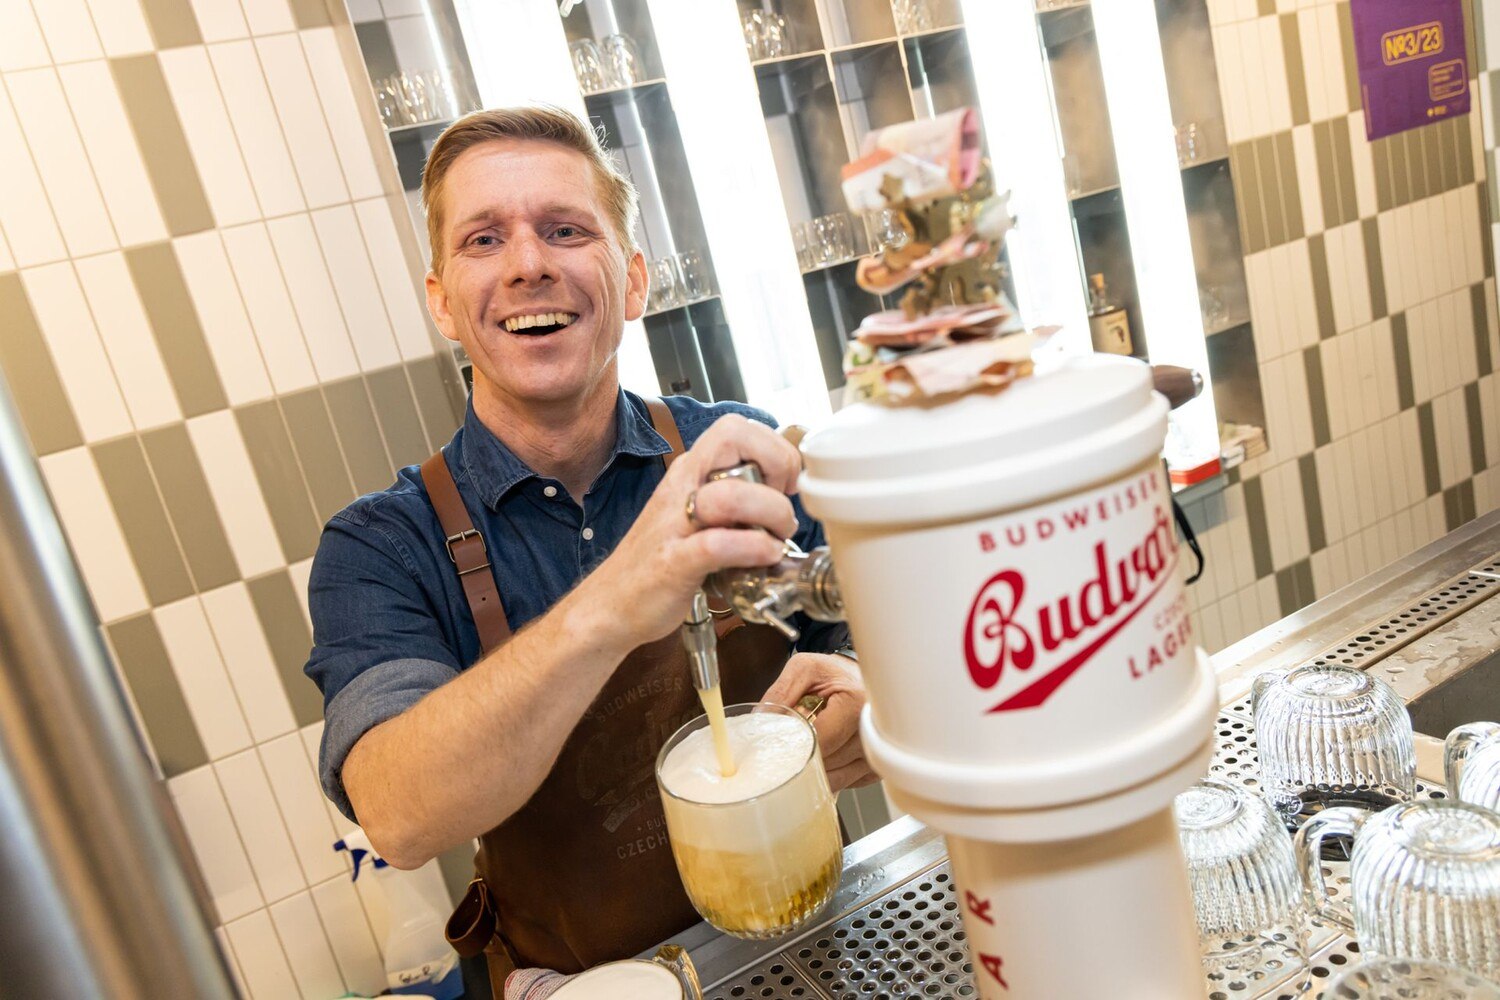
(390, 620)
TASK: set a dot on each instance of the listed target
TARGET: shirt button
(549, 491)
(588, 534)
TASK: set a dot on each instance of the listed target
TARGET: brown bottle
(1109, 327)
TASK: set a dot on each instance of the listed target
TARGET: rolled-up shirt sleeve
(378, 647)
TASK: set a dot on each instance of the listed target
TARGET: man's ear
(636, 286)
(437, 307)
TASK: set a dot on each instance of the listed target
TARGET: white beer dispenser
(1011, 576)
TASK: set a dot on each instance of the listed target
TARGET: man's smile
(538, 324)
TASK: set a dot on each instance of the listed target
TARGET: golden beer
(759, 851)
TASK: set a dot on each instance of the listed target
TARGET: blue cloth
(390, 620)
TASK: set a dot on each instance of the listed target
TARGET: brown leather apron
(583, 873)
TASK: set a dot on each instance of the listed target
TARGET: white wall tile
(1364, 165)
(1273, 62)
(403, 303)
(1230, 62)
(1308, 189)
(21, 42)
(200, 673)
(48, 126)
(268, 16)
(253, 116)
(220, 20)
(342, 113)
(252, 669)
(236, 492)
(1257, 102)
(349, 933)
(313, 298)
(93, 533)
(295, 784)
(271, 313)
(78, 354)
(216, 844)
(69, 30)
(262, 957)
(361, 11)
(7, 262)
(261, 829)
(210, 138)
(1312, 65)
(302, 120)
(128, 339)
(220, 306)
(1330, 61)
(403, 8)
(112, 150)
(122, 27)
(357, 288)
(307, 948)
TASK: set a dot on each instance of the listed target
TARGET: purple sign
(1412, 66)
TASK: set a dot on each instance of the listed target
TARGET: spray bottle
(418, 960)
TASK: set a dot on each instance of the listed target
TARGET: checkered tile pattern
(210, 322)
(1371, 282)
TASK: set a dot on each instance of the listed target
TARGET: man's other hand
(836, 679)
(649, 580)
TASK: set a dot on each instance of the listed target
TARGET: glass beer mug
(1471, 764)
(1425, 881)
(759, 853)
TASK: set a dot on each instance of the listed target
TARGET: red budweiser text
(1009, 628)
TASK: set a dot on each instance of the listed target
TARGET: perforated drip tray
(906, 938)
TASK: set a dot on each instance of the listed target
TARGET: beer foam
(768, 750)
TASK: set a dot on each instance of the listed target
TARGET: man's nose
(529, 260)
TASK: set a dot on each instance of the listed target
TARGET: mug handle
(1460, 746)
(1308, 844)
(1260, 685)
(674, 958)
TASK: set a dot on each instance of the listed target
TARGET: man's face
(535, 285)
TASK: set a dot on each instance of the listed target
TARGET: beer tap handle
(768, 608)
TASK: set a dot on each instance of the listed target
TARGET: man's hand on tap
(836, 679)
(661, 562)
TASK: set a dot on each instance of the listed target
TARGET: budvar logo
(1009, 628)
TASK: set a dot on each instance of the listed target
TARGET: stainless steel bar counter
(893, 930)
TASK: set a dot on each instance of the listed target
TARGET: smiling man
(524, 701)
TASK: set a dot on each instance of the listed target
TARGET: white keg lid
(1077, 422)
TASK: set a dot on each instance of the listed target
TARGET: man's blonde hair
(542, 123)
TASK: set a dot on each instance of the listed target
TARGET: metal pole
(99, 895)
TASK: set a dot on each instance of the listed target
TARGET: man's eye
(567, 232)
(483, 240)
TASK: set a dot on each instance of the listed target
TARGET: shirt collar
(495, 470)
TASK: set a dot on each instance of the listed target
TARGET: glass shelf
(629, 88)
(681, 305)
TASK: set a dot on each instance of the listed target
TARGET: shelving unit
(845, 69)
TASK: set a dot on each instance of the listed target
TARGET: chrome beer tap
(767, 595)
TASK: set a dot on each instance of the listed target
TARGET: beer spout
(702, 644)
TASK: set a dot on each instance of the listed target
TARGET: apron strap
(467, 550)
(666, 426)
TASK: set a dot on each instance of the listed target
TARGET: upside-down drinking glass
(1332, 735)
(588, 64)
(1424, 881)
(1246, 893)
(1471, 764)
(1408, 979)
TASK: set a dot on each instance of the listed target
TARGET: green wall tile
(172, 23)
(1260, 532)
(1480, 313)
(174, 321)
(158, 132)
(1375, 267)
(34, 383)
(158, 697)
(143, 519)
(1317, 253)
(1427, 431)
(318, 451)
(434, 401)
(191, 506)
(359, 434)
(1317, 394)
(1401, 347)
(271, 454)
(1312, 502)
(1475, 413)
(397, 411)
(282, 619)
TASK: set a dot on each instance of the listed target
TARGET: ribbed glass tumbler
(1425, 881)
(1471, 764)
(1332, 735)
(1246, 893)
(1408, 979)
